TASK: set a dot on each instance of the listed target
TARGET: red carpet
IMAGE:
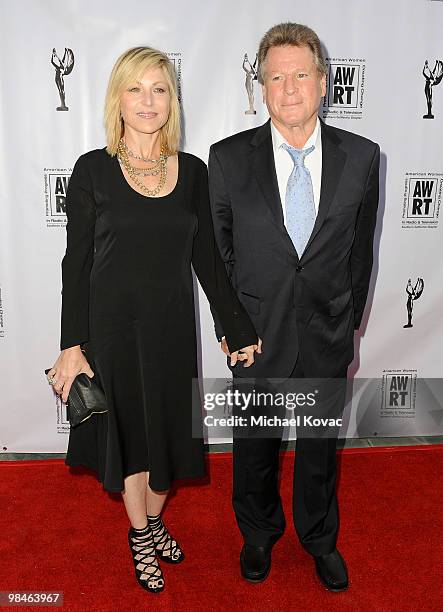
(60, 531)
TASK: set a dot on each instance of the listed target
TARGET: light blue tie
(299, 201)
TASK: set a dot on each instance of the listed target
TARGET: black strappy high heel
(165, 546)
(148, 572)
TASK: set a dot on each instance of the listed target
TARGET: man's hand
(70, 363)
(244, 354)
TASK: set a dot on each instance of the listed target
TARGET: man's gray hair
(286, 35)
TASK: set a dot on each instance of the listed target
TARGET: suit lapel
(333, 161)
(263, 164)
(264, 169)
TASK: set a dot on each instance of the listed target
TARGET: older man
(294, 204)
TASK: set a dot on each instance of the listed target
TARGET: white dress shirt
(284, 164)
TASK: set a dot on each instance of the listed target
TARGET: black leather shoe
(255, 562)
(332, 572)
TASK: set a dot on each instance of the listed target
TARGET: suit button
(299, 268)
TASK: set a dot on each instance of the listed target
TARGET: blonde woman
(138, 218)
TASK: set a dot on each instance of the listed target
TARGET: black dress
(128, 293)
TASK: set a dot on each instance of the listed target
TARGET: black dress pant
(256, 500)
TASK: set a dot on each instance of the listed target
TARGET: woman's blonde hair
(129, 67)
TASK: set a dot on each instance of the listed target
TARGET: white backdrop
(386, 41)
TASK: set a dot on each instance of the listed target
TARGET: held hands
(70, 363)
(244, 354)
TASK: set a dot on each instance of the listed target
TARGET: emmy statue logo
(62, 67)
(251, 76)
(433, 78)
(413, 294)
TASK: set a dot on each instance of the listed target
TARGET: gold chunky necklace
(160, 167)
(140, 157)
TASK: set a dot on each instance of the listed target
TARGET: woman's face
(145, 104)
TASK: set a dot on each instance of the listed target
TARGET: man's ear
(263, 92)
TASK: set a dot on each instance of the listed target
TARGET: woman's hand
(244, 354)
(70, 363)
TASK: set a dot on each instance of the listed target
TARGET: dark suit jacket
(309, 306)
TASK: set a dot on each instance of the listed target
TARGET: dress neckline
(123, 178)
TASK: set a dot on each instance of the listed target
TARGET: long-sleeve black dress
(128, 293)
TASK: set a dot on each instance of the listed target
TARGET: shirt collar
(278, 140)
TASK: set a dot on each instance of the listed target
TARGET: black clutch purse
(85, 398)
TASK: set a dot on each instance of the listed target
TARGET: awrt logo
(343, 85)
(399, 393)
(345, 88)
(56, 187)
(422, 199)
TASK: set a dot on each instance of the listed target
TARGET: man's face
(293, 87)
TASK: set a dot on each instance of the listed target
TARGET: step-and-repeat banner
(385, 82)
